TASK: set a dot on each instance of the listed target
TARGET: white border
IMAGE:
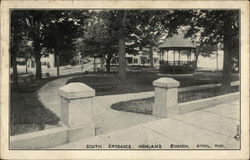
(242, 154)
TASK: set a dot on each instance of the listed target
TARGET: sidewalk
(215, 125)
(105, 118)
(214, 128)
(64, 70)
(48, 94)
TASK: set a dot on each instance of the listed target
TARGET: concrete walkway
(105, 118)
(216, 125)
(212, 128)
(48, 94)
(64, 70)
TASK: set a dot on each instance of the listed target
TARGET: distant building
(141, 59)
(47, 60)
(177, 55)
(176, 52)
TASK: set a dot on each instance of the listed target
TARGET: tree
(62, 32)
(218, 27)
(40, 25)
(18, 34)
(124, 31)
(121, 44)
(25, 52)
(79, 50)
(140, 28)
(101, 37)
(107, 39)
(36, 20)
(150, 29)
(202, 48)
(143, 28)
(97, 41)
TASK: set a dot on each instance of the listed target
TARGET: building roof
(177, 41)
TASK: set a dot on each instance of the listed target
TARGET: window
(135, 60)
(129, 60)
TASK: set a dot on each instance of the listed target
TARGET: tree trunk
(57, 64)
(14, 67)
(26, 66)
(37, 47)
(196, 61)
(151, 56)
(94, 65)
(217, 64)
(38, 64)
(81, 64)
(102, 61)
(227, 64)
(108, 64)
(122, 59)
(122, 52)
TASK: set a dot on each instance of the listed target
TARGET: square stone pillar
(77, 110)
(166, 97)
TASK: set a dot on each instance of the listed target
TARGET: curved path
(105, 118)
(212, 126)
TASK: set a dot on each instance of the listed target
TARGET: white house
(141, 59)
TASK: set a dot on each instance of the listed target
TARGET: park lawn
(145, 105)
(109, 83)
(27, 114)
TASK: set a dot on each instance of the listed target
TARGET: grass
(145, 105)
(140, 81)
(27, 114)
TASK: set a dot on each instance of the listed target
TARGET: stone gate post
(77, 110)
(166, 97)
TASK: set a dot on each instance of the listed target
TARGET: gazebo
(177, 55)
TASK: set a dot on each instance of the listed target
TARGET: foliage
(206, 50)
(101, 35)
(106, 33)
(99, 38)
(135, 29)
(25, 50)
(17, 33)
(63, 30)
(216, 28)
(52, 29)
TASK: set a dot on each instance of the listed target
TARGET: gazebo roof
(177, 41)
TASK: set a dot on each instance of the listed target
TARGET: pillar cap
(166, 83)
(76, 90)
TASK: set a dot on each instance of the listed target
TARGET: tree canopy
(107, 33)
(218, 28)
(54, 30)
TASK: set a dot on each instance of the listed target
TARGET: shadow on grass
(109, 83)
(145, 106)
(27, 113)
